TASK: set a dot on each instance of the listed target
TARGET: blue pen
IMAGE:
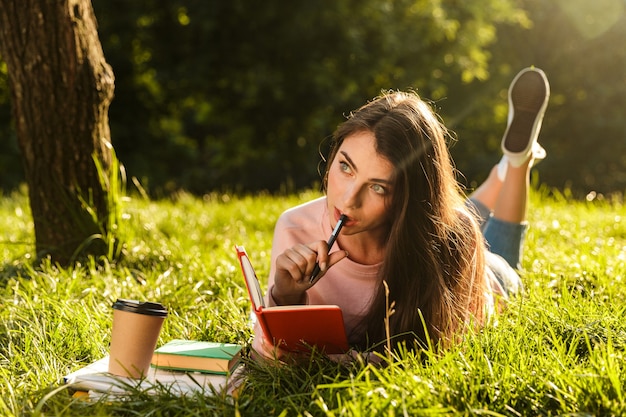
(331, 242)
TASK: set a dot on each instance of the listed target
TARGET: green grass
(558, 350)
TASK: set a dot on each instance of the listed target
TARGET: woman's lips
(347, 222)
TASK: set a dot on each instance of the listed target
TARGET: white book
(95, 379)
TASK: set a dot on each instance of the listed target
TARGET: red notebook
(296, 328)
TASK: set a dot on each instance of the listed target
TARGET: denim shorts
(505, 243)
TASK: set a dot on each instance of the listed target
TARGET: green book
(197, 356)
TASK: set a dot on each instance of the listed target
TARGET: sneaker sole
(528, 98)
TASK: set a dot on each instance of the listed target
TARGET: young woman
(444, 259)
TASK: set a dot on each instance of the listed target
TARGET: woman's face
(359, 186)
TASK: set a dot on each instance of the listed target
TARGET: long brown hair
(434, 260)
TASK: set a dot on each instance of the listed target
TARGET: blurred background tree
(240, 96)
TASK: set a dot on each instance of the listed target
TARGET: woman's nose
(352, 196)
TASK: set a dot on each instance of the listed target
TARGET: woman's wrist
(281, 300)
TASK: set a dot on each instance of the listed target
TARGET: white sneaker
(528, 99)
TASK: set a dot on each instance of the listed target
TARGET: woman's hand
(294, 268)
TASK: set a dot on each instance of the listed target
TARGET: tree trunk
(61, 89)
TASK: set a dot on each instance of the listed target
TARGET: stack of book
(180, 367)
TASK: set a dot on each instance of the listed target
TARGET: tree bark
(61, 88)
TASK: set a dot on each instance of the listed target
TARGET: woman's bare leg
(489, 191)
(512, 201)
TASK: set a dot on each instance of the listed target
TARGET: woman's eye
(378, 189)
(344, 167)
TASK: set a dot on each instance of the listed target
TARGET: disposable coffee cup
(135, 332)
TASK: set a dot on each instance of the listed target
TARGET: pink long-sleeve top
(348, 284)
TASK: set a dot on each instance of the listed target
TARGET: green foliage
(557, 350)
(576, 43)
(241, 95)
(235, 95)
(112, 179)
